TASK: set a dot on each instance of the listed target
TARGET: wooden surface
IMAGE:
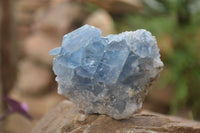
(65, 118)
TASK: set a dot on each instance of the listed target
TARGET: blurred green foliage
(183, 63)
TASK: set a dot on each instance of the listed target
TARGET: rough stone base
(65, 118)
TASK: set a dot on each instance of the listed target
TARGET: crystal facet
(107, 75)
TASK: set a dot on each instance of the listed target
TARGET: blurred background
(30, 28)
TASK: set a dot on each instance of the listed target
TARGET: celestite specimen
(107, 75)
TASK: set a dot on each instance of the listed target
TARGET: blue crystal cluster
(107, 75)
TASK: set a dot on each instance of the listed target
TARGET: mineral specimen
(107, 75)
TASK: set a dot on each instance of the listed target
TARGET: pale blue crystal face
(112, 62)
(108, 75)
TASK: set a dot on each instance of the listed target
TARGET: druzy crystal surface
(107, 75)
